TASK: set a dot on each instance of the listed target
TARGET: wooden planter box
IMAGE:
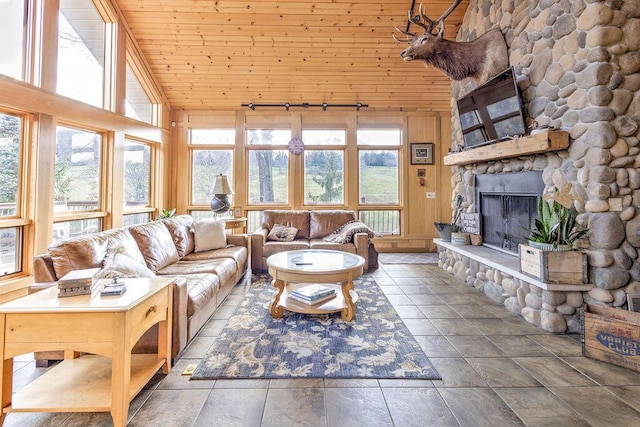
(554, 267)
(611, 335)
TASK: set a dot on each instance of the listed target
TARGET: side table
(235, 224)
(109, 377)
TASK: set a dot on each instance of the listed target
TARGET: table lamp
(220, 203)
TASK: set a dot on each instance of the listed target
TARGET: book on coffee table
(305, 301)
(312, 292)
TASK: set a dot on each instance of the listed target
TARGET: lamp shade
(221, 185)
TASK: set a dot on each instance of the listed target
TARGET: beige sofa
(163, 248)
(313, 227)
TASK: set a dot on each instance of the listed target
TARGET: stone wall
(577, 64)
(553, 311)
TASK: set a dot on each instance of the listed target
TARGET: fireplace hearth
(507, 204)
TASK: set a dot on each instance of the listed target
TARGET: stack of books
(312, 294)
(78, 282)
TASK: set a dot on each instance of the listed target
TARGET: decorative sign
(470, 223)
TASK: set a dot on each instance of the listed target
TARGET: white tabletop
(315, 261)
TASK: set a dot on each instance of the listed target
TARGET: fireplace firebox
(507, 203)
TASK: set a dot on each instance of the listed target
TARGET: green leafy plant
(167, 214)
(555, 225)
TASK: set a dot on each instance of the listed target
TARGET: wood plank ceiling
(216, 55)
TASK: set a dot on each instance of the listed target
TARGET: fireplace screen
(506, 218)
(507, 203)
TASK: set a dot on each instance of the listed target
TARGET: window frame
(137, 65)
(110, 19)
(153, 173)
(192, 149)
(400, 148)
(106, 165)
(21, 220)
(328, 147)
(268, 147)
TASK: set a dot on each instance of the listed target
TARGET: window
(137, 103)
(137, 218)
(78, 170)
(211, 155)
(324, 166)
(137, 175)
(323, 177)
(12, 49)
(268, 167)
(66, 229)
(81, 52)
(379, 178)
(11, 183)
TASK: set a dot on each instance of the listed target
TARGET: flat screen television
(492, 112)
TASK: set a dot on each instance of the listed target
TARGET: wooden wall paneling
(421, 211)
(120, 69)
(45, 153)
(115, 185)
(240, 171)
(443, 196)
(179, 165)
(353, 163)
(49, 47)
(25, 97)
(296, 164)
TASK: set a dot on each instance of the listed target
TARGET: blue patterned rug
(376, 344)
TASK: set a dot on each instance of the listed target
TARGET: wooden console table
(109, 377)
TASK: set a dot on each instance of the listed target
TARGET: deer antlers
(422, 20)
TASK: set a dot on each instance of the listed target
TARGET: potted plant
(555, 228)
(167, 213)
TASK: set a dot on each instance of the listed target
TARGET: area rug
(408, 258)
(376, 344)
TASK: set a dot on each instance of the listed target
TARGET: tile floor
(497, 370)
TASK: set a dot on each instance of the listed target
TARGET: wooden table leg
(276, 310)
(349, 311)
(120, 372)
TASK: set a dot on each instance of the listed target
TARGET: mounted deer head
(480, 59)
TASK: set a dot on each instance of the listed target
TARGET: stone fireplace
(577, 64)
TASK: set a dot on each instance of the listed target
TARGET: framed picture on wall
(421, 153)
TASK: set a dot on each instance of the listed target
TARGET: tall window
(137, 182)
(378, 154)
(138, 103)
(11, 154)
(268, 166)
(12, 49)
(324, 166)
(211, 155)
(78, 180)
(81, 52)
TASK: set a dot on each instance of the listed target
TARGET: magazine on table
(305, 301)
(313, 292)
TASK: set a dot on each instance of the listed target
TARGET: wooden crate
(568, 268)
(611, 335)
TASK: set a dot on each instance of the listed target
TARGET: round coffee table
(293, 269)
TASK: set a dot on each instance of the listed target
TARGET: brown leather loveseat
(164, 248)
(314, 229)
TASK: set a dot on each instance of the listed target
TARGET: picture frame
(422, 153)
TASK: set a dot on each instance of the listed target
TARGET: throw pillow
(344, 233)
(209, 234)
(282, 233)
(118, 264)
